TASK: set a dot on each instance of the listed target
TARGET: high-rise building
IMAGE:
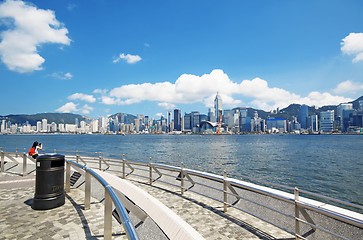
(340, 118)
(212, 115)
(168, 121)
(44, 125)
(39, 126)
(187, 122)
(327, 121)
(177, 119)
(279, 124)
(218, 107)
(314, 123)
(195, 121)
(302, 116)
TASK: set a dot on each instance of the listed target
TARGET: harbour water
(331, 165)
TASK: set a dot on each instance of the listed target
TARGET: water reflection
(329, 164)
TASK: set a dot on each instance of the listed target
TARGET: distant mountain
(124, 118)
(293, 109)
(286, 113)
(66, 118)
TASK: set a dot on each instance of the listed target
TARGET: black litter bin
(49, 182)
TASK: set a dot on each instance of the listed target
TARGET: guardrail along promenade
(157, 199)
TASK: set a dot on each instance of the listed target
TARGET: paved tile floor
(70, 221)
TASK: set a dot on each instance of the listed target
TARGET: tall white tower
(218, 107)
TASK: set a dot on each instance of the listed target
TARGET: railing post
(16, 152)
(123, 166)
(87, 190)
(55, 151)
(224, 191)
(24, 165)
(182, 178)
(297, 223)
(108, 216)
(68, 177)
(2, 160)
(77, 156)
(150, 172)
(99, 161)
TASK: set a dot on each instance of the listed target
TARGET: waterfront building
(303, 115)
(39, 126)
(187, 122)
(177, 119)
(53, 127)
(218, 107)
(341, 107)
(195, 121)
(202, 117)
(208, 127)
(3, 126)
(168, 121)
(358, 120)
(102, 124)
(230, 118)
(314, 123)
(94, 125)
(44, 125)
(278, 124)
(347, 119)
(212, 115)
(327, 121)
(257, 123)
(245, 124)
(71, 128)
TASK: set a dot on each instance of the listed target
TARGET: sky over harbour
(98, 57)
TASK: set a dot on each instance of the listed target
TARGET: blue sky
(97, 57)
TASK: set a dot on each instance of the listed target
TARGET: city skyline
(150, 58)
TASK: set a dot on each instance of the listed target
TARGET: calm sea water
(328, 164)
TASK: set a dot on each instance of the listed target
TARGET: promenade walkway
(71, 221)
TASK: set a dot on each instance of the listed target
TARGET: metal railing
(110, 197)
(226, 188)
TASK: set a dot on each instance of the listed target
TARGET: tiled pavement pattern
(70, 221)
(207, 216)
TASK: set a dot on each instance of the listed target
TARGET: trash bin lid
(50, 157)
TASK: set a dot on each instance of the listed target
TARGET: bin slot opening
(58, 163)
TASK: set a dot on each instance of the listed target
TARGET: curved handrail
(227, 182)
(126, 222)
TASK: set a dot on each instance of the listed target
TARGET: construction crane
(219, 125)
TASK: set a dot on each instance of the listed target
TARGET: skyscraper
(303, 115)
(177, 119)
(327, 121)
(218, 107)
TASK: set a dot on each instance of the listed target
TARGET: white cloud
(68, 108)
(30, 28)
(86, 109)
(71, 6)
(166, 105)
(100, 91)
(158, 114)
(353, 45)
(84, 97)
(348, 87)
(128, 58)
(71, 107)
(190, 88)
(62, 76)
(108, 100)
